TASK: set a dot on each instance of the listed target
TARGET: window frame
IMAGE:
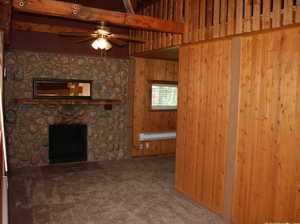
(151, 82)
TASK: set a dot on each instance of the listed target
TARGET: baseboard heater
(157, 136)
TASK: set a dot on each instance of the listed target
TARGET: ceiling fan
(103, 37)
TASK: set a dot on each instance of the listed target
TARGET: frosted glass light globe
(102, 44)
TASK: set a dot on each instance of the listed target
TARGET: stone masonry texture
(27, 125)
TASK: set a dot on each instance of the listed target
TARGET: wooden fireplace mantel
(67, 101)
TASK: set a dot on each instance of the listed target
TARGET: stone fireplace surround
(27, 125)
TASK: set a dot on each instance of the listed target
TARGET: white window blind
(164, 96)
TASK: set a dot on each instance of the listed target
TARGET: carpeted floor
(119, 192)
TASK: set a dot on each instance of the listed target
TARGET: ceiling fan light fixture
(102, 44)
(108, 45)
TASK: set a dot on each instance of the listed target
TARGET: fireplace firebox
(67, 143)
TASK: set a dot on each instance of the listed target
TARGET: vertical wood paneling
(206, 20)
(187, 20)
(287, 12)
(239, 17)
(138, 96)
(266, 13)
(266, 172)
(268, 147)
(203, 121)
(165, 17)
(216, 19)
(144, 120)
(176, 18)
(196, 20)
(202, 19)
(223, 19)
(189, 168)
(297, 19)
(170, 18)
(247, 18)
(276, 14)
(148, 36)
(183, 82)
(143, 35)
(256, 15)
(287, 159)
(297, 204)
(231, 17)
(209, 19)
(157, 15)
(151, 32)
(2, 172)
(161, 16)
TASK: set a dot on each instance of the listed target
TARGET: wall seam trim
(232, 128)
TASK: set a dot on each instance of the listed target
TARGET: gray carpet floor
(118, 192)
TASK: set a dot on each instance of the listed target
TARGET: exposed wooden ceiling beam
(5, 17)
(45, 28)
(54, 29)
(79, 12)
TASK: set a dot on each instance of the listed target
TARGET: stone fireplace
(27, 125)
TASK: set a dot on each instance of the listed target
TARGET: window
(164, 95)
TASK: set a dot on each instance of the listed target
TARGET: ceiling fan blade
(85, 40)
(118, 42)
(76, 34)
(126, 37)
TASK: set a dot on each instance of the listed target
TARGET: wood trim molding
(131, 103)
(233, 127)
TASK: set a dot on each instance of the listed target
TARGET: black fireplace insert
(67, 143)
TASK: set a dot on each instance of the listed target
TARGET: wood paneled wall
(144, 120)
(172, 10)
(1, 141)
(268, 154)
(203, 122)
(3, 189)
(266, 167)
(207, 19)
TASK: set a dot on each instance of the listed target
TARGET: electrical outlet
(147, 145)
(141, 147)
